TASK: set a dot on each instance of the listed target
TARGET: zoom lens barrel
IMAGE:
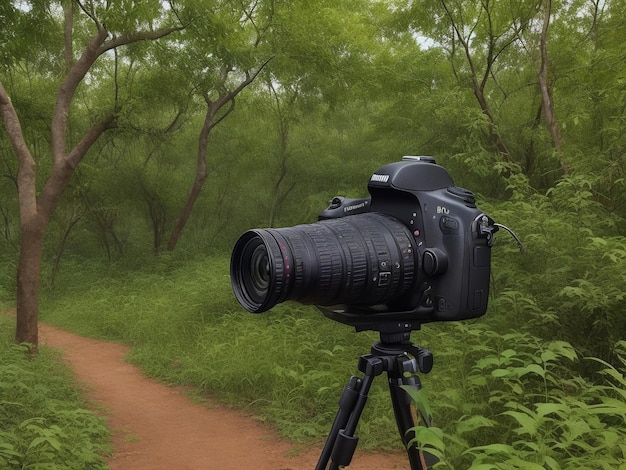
(363, 259)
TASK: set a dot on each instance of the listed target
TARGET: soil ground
(157, 427)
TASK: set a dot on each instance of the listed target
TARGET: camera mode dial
(465, 194)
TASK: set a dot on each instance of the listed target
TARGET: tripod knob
(392, 338)
(424, 359)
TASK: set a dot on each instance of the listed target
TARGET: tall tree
(213, 116)
(482, 33)
(112, 25)
(544, 84)
(283, 121)
(229, 43)
(221, 58)
(477, 37)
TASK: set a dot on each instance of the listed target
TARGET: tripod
(401, 360)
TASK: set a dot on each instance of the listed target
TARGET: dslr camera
(417, 250)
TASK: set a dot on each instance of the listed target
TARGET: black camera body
(452, 238)
(417, 250)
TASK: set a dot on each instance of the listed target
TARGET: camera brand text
(379, 178)
(355, 207)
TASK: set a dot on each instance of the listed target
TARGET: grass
(45, 420)
(501, 398)
(287, 367)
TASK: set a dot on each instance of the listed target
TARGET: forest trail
(157, 427)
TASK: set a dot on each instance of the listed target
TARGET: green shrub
(519, 407)
(44, 421)
(569, 283)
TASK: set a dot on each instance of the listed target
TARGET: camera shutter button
(434, 261)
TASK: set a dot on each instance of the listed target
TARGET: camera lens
(260, 269)
(363, 259)
(255, 271)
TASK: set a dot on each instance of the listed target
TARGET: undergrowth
(501, 398)
(287, 367)
(45, 424)
(517, 405)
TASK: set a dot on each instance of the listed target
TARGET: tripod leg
(342, 442)
(407, 417)
(346, 405)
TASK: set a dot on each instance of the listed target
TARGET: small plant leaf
(528, 425)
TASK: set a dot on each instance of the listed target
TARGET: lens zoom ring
(337, 261)
(330, 265)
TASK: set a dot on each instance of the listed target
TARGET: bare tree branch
(90, 14)
(66, 93)
(13, 126)
(27, 166)
(213, 107)
(130, 38)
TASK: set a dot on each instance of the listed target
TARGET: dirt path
(157, 427)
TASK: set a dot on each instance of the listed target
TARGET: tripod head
(394, 328)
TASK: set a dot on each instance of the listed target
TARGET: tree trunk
(283, 155)
(28, 270)
(198, 183)
(213, 107)
(32, 227)
(546, 92)
(548, 107)
(494, 133)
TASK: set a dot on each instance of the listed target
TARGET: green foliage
(497, 397)
(8, 270)
(32, 35)
(568, 284)
(361, 84)
(520, 406)
(287, 367)
(44, 420)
